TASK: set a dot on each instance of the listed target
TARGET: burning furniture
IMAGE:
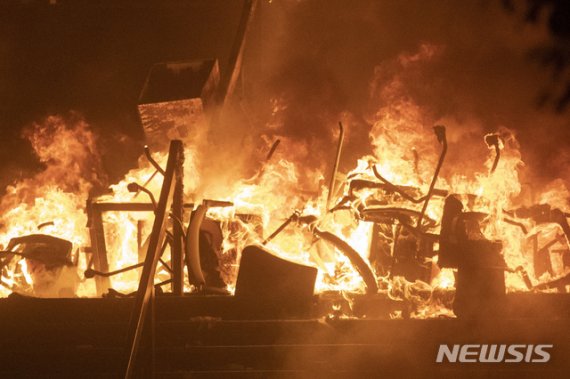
(183, 315)
(49, 261)
(219, 332)
(272, 287)
(480, 284)
(174, 99)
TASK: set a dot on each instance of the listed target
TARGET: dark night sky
(92, 57)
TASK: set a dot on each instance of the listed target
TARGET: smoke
(310, 64)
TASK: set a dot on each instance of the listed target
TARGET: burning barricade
(394, 229)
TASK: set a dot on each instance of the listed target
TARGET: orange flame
(405, 152)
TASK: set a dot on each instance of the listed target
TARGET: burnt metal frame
(99, 248)
(97, 231)
(97, 234)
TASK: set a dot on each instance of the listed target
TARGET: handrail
(145, 290)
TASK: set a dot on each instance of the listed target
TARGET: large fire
(406, 153)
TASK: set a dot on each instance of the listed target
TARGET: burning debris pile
(405, 225)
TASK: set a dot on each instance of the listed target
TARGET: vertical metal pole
(177, 255)
(335, 166)
(97, 234)
(441, 137)
(140, 251)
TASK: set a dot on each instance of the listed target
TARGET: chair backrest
(270, 286)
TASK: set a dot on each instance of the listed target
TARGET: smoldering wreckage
(173, 284)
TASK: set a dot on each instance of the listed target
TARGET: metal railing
(170, 201)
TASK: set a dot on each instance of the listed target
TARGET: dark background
(92, 57)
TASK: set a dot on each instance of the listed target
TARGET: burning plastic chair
(50, 270)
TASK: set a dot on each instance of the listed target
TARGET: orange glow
(399, 135)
